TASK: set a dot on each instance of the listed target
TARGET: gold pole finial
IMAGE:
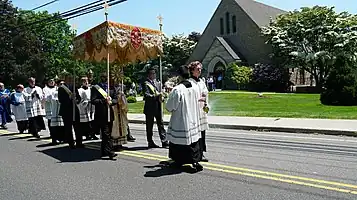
(160, 18)
(106, 6)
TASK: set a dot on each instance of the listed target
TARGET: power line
(73, 13)
(58, 18)
(46, 4)
(67, 13)
(91, 10)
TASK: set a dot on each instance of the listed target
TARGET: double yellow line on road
(297, 180)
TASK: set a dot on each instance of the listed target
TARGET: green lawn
(270, 105)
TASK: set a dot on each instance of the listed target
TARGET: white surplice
(34, 103)
(56, 119)
(201, 85)
(19, 110)
(84, 106)
(48, 94)
(183, 127)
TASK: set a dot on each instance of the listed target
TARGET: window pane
(227, 23)
(222, 26)
(234, 24)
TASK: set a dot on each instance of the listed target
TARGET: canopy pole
(106, 6)
(74, 88)
(160, 65)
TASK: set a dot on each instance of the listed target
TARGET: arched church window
(234, 24)
(228, 27)
(222, 26)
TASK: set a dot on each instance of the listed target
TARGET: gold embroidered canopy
(125, 43)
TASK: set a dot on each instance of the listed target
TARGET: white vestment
(48, 94)
(56, 120)
(84, 106)
(203, 92)
(19, 110)
(33, 103)
(183, 127)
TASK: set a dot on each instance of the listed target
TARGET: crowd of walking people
(89, 111)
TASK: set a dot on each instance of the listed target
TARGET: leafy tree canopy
(312, 38)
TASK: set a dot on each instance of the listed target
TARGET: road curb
(270, 129)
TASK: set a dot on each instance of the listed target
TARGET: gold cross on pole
(160, 18)
(106, 6)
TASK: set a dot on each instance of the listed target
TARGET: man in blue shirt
(4, 106)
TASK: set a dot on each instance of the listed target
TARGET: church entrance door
(218, 74)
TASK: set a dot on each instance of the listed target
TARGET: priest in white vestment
(34, 109)
(48, 92)
(18, 107)
(183, 131)
(57, 124)
(85, 110)
(195, 73)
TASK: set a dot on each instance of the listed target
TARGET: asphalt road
(243, 165)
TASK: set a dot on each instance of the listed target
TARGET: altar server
(183, 131)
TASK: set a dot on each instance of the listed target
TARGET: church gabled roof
(260, 13)
(228, 48)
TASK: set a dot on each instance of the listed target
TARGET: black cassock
(101, 118)
(66, 111)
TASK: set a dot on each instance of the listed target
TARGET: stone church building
(233, 34)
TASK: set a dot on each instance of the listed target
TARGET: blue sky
(180, 16)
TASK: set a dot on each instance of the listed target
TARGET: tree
(340, 87)
(270, 78)
(7, 25)
(51, 43)
(238, 77)
(177, 50)
(311, 39)
(194, 36)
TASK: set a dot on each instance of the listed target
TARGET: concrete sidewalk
(293, 125)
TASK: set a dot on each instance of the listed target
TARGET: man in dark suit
(103, 104)
(153, 109)
(67, 100)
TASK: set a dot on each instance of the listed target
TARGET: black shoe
(204, 159)
(112, 156)
(197, 166)
(165, 145)
(3, 126)
(153, 145)
(130, 138)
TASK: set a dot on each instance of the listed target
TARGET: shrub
(131, 99)
(269, 78)
(340, 85)
(238, 77)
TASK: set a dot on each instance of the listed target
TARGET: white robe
(34, 105)
(56, 120)
(48, 93)
(183, 127)
(84, 106)
(203, 91)
(19, 110)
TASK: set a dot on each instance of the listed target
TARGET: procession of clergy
(89, 111)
